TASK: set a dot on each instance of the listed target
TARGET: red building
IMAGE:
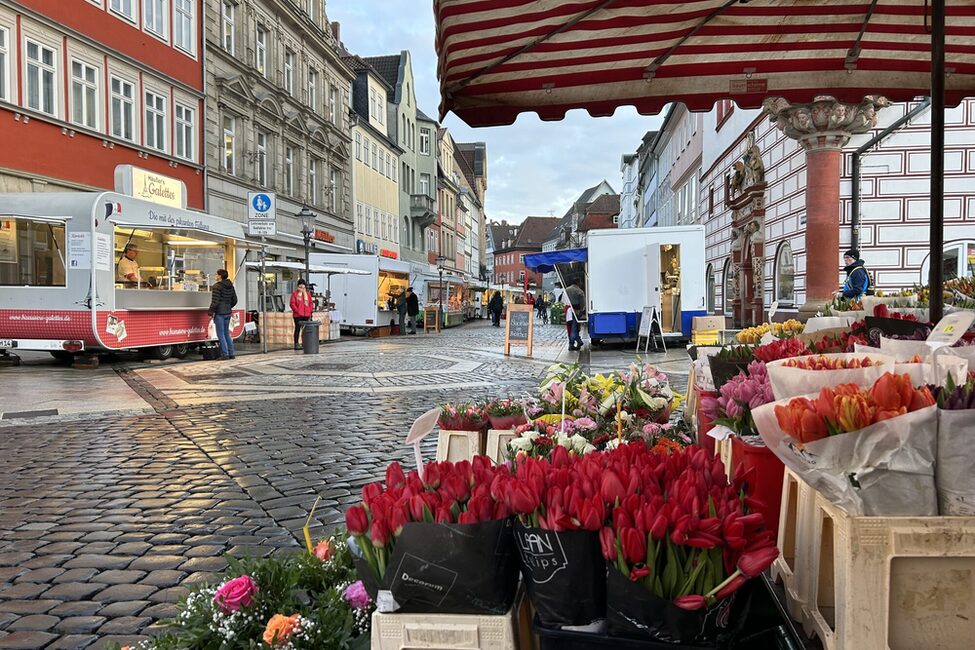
(87, 85)
(512, 242)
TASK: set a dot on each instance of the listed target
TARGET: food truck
(366, 302)
(101, 271)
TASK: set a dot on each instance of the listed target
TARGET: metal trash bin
(309, 337)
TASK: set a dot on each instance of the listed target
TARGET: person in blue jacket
(857, 279)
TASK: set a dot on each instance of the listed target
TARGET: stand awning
(545, 262)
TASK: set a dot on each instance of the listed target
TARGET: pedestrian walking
(302, 306)
(222, 301)
(412, 310)
(401, 309)
(857, 282)
(577, 301)
(496, 306)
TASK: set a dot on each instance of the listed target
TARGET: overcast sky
(534, 167)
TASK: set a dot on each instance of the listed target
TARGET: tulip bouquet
(869, 449)
(752, 335)
(822, 362)
(954, 478)
(505, 413)
(780, 349)
(646, 389)
(444, 522)
(788, 329)
(300, 600)
(539, 438)
(679, 540)
(462, 417)
(810, 374)
(736, 399)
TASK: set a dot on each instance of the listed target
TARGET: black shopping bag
(565, 574)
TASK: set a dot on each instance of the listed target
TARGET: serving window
(391, 286)
(168, 260)
(31, 252)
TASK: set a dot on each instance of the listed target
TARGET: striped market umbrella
(499, 58)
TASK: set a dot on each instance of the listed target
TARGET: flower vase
(767, 482)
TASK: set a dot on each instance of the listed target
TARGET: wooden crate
(497, 444)
(459, 445)
(890, 583)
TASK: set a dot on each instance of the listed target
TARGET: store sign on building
(364, 248)
(150, 186)
(323, 235)
(385, 252)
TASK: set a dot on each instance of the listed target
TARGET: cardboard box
(708, 323)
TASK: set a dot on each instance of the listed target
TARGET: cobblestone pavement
(106, 521)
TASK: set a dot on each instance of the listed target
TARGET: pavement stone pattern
(105, 522)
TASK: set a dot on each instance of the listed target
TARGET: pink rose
(355, 595)
(235, 594)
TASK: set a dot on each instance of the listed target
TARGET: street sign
(261, 206)
(261, 228)
(261, 214)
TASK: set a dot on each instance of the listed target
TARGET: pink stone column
(822, 128)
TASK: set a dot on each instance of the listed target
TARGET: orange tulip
(892, 392)
(801, 421)
(853, 412)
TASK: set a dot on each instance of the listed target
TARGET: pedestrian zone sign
(261, 214)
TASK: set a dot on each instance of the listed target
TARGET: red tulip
(371, 492)
(480, 507)
(379, 533)
(394, 475)
(753, 563)
(607, 540)
(611, 488)
(397, 519)
(467, 518)
(418, 508)
(639, 571)
(444, 516)
(691, 603)
(432, 475)
(520, 498)
(659, 529)
(731, 587)
(455, 488)
(634, 545)
(592, 514)
(356, 520)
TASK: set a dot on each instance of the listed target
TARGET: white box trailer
(633, 268)
(363, 301)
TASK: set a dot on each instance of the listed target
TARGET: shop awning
(545, 262)
(499, 58)
(235, 234)
(313, 268)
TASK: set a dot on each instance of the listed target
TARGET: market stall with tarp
(549, 261)
(497, 60)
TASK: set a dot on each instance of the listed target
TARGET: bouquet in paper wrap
(956, 421)
(869, 450)
(810, 374)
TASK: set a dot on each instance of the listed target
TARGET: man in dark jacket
(221, 305)
(412, 309)
(401, 301)
(857, 279)
(496, 306)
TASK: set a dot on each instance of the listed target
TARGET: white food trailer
(365, 301)
(63, 284)
(633, 268)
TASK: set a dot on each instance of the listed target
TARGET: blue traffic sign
(262, 202)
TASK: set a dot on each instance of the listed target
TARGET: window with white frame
(728, 293)
(228, 26)
(312, 88)
(358, 146)
(262, 154)
(230, 144)
(289, 70)
(375, 156)
(381, 107)
(424, 183)
(289, 170)
(185, 126)
(41, 72)
(260, 51)
(84, 94)
(333, 181)
(155, 121)
(154, 16)
(358, 217)
(425, 141)
(785, 275)
(312, 179)
(365, 147)
(123, 8)
(393, 166)
(184, 22)
(4, 62)
(123, 109)
(333, 98)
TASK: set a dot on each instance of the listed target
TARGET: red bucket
(767, 486)
(704, 423)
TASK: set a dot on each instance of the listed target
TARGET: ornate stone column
(823, 127)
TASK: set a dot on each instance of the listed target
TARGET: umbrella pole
(936, 269)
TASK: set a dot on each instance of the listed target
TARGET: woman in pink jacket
(302, 306)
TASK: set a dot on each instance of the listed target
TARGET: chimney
(337, 31)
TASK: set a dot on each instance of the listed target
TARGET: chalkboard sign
(431, 319)
(519, 327)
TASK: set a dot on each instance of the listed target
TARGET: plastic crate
(705, 337)
(459, 445)
(415, 631)
(791, 568)
(497, 443)
(891, 583)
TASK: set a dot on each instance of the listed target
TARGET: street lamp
(307, 228)
(440, 260)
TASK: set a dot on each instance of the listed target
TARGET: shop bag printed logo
(417, 579)
(542, 553)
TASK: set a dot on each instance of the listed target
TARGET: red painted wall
(39, 147)
(118, 34)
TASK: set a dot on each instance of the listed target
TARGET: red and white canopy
(499, 58)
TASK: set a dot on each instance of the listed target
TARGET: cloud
(534, 167)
